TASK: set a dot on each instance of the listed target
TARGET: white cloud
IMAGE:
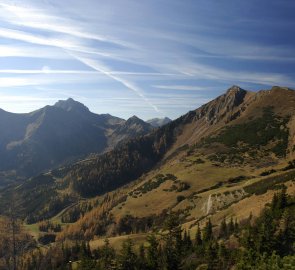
(13, 82)
(13, 50)
(29, 18)
(40, 78)
(46, 70)
(38, 19)
(38, 39)
(181, 87)
(114, 48)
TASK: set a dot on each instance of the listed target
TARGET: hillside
(224, 161)
(56, 135)
(237, 136)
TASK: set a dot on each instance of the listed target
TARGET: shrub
(180, 198)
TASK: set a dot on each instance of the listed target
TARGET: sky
(150, 58)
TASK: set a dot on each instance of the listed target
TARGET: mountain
(158, 122)
(133, 127)
(223, 174)
(55, 135)
(238, 136)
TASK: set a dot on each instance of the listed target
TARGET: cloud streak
(181, 87)
(30, 19)
(36, 18)
(126, 83)
(132, 46)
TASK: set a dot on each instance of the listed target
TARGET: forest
(266, 242)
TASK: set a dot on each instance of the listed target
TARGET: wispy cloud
(29, 18)
(44, 71)
(42, 78)
(181, 87)
(132, 46)
(37, 18)
(60, 71)
(13, 50)
(200, 71)
(38, 39)
(102, 69)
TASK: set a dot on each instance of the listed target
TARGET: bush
(267, 172)
(264, 185)
(255, 133)
(180, 198)
(47, 238)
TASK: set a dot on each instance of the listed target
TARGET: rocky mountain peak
(235, 95)
(234, 89)
(71, 105)
(224, 106)
(134, 119)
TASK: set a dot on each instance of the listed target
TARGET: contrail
(98, 67)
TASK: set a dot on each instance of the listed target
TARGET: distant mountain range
(235, 137)
(55, 135)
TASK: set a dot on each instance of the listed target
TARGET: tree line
(266, 242)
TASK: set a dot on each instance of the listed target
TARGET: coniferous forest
(266, 242)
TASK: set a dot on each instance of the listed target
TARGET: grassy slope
(205, 175)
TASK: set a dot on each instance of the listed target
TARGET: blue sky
(152, 58)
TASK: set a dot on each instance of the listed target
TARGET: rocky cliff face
(224, 107)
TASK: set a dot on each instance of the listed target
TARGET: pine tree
(187, 242)
(236, 226)
(172, 243)
(142, 262)
(127, 258)
(282, 199)
(107, 256)
(231, 227)
(152, 253)
(211, 254)
(223, 229)
(208, 232)
(198, 240)
(222, 256)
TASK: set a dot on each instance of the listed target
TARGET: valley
(223, 161)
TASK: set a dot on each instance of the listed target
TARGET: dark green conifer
(152, 252)
(208, 232)
(223, 229)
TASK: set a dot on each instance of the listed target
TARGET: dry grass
(116, 242)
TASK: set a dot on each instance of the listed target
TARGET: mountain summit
(55, 135)
(71, 105)
(133, 127)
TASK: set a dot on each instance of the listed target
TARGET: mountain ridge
(202, 132)
(55, 135)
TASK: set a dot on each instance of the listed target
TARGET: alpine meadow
(147, 135)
